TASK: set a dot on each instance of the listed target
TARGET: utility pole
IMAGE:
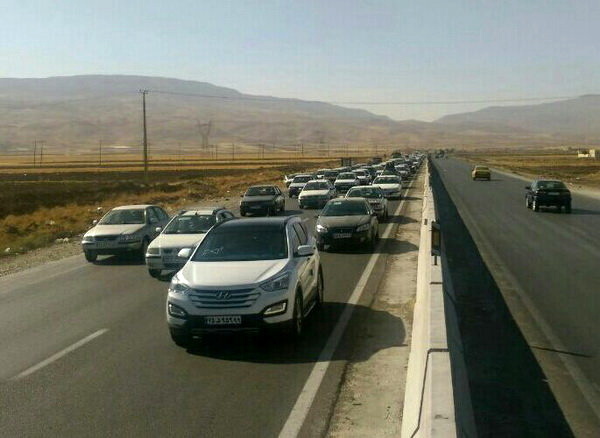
(42, 153)
(144, 92)
(34, 151)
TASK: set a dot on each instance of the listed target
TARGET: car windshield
(345, 208)
(243, 243)
(387, 181)
(365, 192)
(481, 168)
(190, 224)
(551, 185)
(331, 173)
(123, 217)
(260, 191)
(301, 179)
(316, 186)
(346, 176)
(361, 172)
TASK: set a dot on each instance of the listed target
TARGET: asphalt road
(127, 378)
(547, 265)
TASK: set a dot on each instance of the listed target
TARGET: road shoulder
(371, 396)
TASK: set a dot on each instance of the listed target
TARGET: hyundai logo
(222, 295)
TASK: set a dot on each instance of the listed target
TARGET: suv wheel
(155, 273)
(320, 289)
(297, 323)
(568, 208)
(527, 203)
(144, 248)
(534, 205)
(90, 256)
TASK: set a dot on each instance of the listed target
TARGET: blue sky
(330, 50)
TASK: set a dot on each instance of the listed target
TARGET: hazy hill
(74, 113)
(576, 118)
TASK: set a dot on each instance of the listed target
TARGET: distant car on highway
(481, 172)
(128, 229)
(548, 193)
(331, 175)
(186, 230)
(298, 184)
(391, 186)
(267, 199)
(320, 174)
(347, 221)
(246, 275)
(287, 179)
(316, 193)
(374, 196)
(345, 181)
(363, 176)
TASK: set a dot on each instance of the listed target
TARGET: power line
(377, 102)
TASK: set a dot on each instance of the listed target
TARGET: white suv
(246, 275)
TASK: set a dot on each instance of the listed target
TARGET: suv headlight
(363, 227)
(88, 238)
(321, 229)
(279, 282)
(179, 288)
(153, 251)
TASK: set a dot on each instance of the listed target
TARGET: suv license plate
(554, 193)
(223, 320)
(342, 235)
(103, 244)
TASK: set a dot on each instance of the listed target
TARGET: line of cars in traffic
(235, 274)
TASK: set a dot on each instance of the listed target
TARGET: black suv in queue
(548, 193)
(262, 200)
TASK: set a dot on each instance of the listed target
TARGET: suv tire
(527, 203)
(296, 325)
(90, 256)
(154, 273)
(144, 248)
(534, 205)
(568, 208)
(320, 297)
(181, 340)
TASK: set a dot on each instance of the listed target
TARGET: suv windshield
(386, 181)
(316, 186)
(261, 191)
(301, 179)
(123, 217)
(243, 243)
(365, 192)
(346, 176)
(192, 224)
(345, 208)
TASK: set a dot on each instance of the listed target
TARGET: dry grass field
(38, 206)
(559, 165)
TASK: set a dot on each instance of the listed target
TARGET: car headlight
(153, 251)
(179, 288)
(321, 229)
(88, 238)
(279, 282)
(363, 227)
(128, 237)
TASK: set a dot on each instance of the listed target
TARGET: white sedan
(390, 185)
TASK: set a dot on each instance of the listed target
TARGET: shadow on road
(509, 391)
(275, 349)
(120, 260)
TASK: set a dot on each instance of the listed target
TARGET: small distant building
(587, 153)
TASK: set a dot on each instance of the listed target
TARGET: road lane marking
(301, 408)
(59, 355)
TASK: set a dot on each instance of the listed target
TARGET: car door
(152, 222)
(305, 266)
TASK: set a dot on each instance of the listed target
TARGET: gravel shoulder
(371, 397)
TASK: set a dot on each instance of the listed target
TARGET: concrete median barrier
(437, 401)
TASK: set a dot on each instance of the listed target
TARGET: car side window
(160, 213)
(302, 237)
(152, 218)
(294, 239)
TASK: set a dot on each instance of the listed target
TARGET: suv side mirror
(184, 253)
(95, 222)
(305, 250)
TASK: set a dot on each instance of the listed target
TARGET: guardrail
(437, 401)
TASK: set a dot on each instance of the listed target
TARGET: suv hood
(263, 198)
(229, 274)
(177, 240)
(103, 230)
(343, 221)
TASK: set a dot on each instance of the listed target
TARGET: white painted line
(299, 412)
(59, 355)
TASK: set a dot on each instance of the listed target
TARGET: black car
(262, 200)
(347, 221)
(547, 193)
